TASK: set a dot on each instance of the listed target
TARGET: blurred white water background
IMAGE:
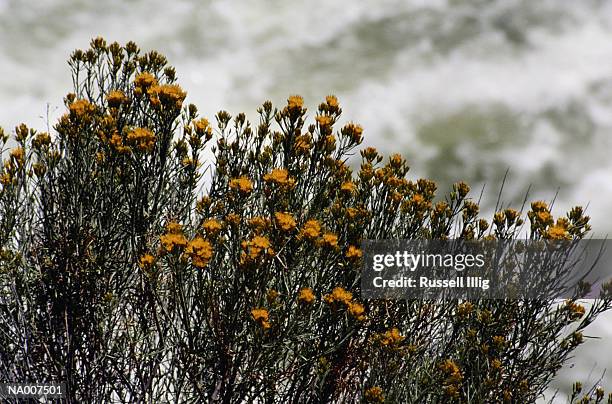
(465, 89)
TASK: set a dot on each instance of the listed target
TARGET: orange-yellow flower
(354, 132)
(212, 226)
(306, 296)
(302, 144)
(285, 221)
(202, 126)
(116, 142)
(242, 184)
(115, 98)
(330, 240)
(339, 294)
(575, 310)
(145, 80)
(295, 102)
(233, 219)
(259, 224)
(544, 216)
(146, 261)
(348, 187)
(18, 155)
(6, 179)
(142, 138)
(272, 295)
(452, 371)
(323, 120)
(356, 310)
(354, 253)
(200, 251)
(374, 395)
(465, 309)
(539, 206)
(279, 176)
(351, 213)
(257, 246)
(81, 108)
(558, 231)
(391, 337)
(311, 229)
(169, 95)
(174, 238)
(261, 316)
(332, 101)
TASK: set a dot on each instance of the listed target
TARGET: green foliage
(119, 276)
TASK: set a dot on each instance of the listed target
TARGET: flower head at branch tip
(306, 296)
(261, 317)
(200, 251)
(241, 184)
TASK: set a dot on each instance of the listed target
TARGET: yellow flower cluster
(452, 371)
(324, 121)
(311, 229)
(295, 102)
(357, 311)
(81, 109)
(330, 240)
(353, 253)
(115, 98)
(191, 163)
(341, 296)
(261, 317)
(144, 80)
(348, 187)
(280, 177)
(41, 139)
(22, 132)
(39, 169)
(391, 337)
(233, 219)
(540, 216)
(302, 144)
(332, 101)
(285, 221)
(256, 247)
(242, 184)
(202, 127)
(116, 142)
(18, 156)
(173, 239)
(353, 132)
(306, 296)
(6, 179)
(146, 261)
(499, 341)
(259, 224)
(453, 377)
(374, 395)
(168, 95)
(212, 226)
(559, 231)
(142, 138)
(272, 295)
(575, 310)
(352, 213)
(200, 251)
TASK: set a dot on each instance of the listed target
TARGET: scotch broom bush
(123, 278)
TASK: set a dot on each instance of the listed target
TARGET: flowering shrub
(119, 276)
